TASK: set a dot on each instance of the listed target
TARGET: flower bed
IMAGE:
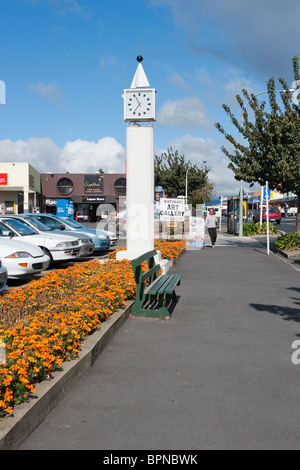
(169, 249)
(44, 324)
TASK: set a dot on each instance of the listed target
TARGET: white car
(58, 248)
(22, 260)
(86, 243)
(3, 276)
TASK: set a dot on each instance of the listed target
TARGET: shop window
(64, 186)
(120, 186)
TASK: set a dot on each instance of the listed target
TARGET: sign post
(171, 210)
(267, 197)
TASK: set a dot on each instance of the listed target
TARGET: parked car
(274, 215)
(255, 215)
(3, 276)
(57, 248)
(22, 260)
(85, 242)
(74, 224)
(100, 239)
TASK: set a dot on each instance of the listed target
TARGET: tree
(204, 194)
(170, 173)
(271, 151)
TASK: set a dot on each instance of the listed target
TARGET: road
(288, 224)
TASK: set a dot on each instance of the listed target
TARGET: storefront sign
(171, 210)
(3, 179)
(50, 202)
(93, 199)
(93, 184)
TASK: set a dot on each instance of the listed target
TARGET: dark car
(274, 215)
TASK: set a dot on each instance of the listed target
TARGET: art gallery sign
(171, 210)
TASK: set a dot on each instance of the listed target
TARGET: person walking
(211, 225)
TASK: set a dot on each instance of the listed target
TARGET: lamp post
(186, 178)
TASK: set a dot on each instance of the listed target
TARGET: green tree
(203, 195)
(170, 173)
(270, 148)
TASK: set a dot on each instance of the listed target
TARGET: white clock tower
(139, 113)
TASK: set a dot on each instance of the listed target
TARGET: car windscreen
(49, 221)
(72, 223)
(18, 227)
(37, 224)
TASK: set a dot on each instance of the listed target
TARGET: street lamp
(186, 177)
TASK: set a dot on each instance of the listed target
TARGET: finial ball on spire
(139, 58)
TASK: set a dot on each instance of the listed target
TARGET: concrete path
(218, 375)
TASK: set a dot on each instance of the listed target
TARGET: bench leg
(161, 312)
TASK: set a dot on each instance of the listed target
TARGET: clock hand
(137, 107)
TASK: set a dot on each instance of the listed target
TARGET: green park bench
(154, 298)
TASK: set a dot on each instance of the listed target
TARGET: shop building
(91, 193)
(20, 188)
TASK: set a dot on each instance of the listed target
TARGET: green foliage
(270, 146)
(170, 173)
(257, 229)
(249, 229)
(288, 241)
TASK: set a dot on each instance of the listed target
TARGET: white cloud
(79, 156)
(234, 87)
(179, 81)
(64, 7)
(87, 156)
(186, 113)
(50, 91)
(197, 149)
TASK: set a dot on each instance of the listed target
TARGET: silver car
(100, 239)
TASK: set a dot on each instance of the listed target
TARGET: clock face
(139, 105)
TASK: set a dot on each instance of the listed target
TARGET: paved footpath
(218, 375)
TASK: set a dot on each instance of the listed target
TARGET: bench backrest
(140, 276)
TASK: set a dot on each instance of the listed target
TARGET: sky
(65, 64)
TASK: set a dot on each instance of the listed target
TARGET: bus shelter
(233, 214)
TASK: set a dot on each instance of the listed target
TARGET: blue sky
(66, 63)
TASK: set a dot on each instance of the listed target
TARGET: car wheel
(278, 222)
(47, 252)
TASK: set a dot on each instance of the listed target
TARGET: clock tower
(139, 114)
(139, 100)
